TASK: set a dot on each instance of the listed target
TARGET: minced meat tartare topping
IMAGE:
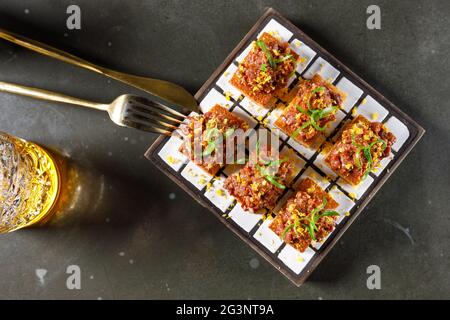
(306, 217)
(313, 107)
(210, 131)
(359, 150)
(268, 66)
(259, 185)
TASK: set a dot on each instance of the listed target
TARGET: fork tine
(144, 120)
(147, 128)
(170, 118)
(151, 114)
(151, 109)
(156, 105)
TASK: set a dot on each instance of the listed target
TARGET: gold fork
(163, 89)
(127, 110)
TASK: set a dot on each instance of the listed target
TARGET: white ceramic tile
(212, 98)
(400, 130)
(253, 108)
(382, 165)
(245, 219)
(305, 54)
(357, 191)
(169, 153)
(244, 53)
(371, 109)
(226, 86)
(217, 194)
(322, 67)
(331, 126)
(238, 111)
(353, 93)
(294, 259)
(315, 176)
(345, 203)
(277, 30)
(304, 151)
(297, 162)
(272, 117)
(267, 237)
(196, 175)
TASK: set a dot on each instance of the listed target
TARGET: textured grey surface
(131, 240)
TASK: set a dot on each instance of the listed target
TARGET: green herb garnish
(267, 174)
(264, 67)
(210, 134)
(366, 150)
(312, 218)
(265, 171)
(301, 110)
(327, 111)
(313, 114)
(313, 93)
(310, 222)
(267, 52)
(209, 149)
(299, 129)
(315, 218)
(272, 62)
(286, 57)
(273, 181)
(276, 163)
(286, 230)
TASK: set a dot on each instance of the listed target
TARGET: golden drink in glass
(29, 183)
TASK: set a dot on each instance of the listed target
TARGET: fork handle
(49, 51)
(49, 96)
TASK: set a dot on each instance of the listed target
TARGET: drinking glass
(29, 183)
